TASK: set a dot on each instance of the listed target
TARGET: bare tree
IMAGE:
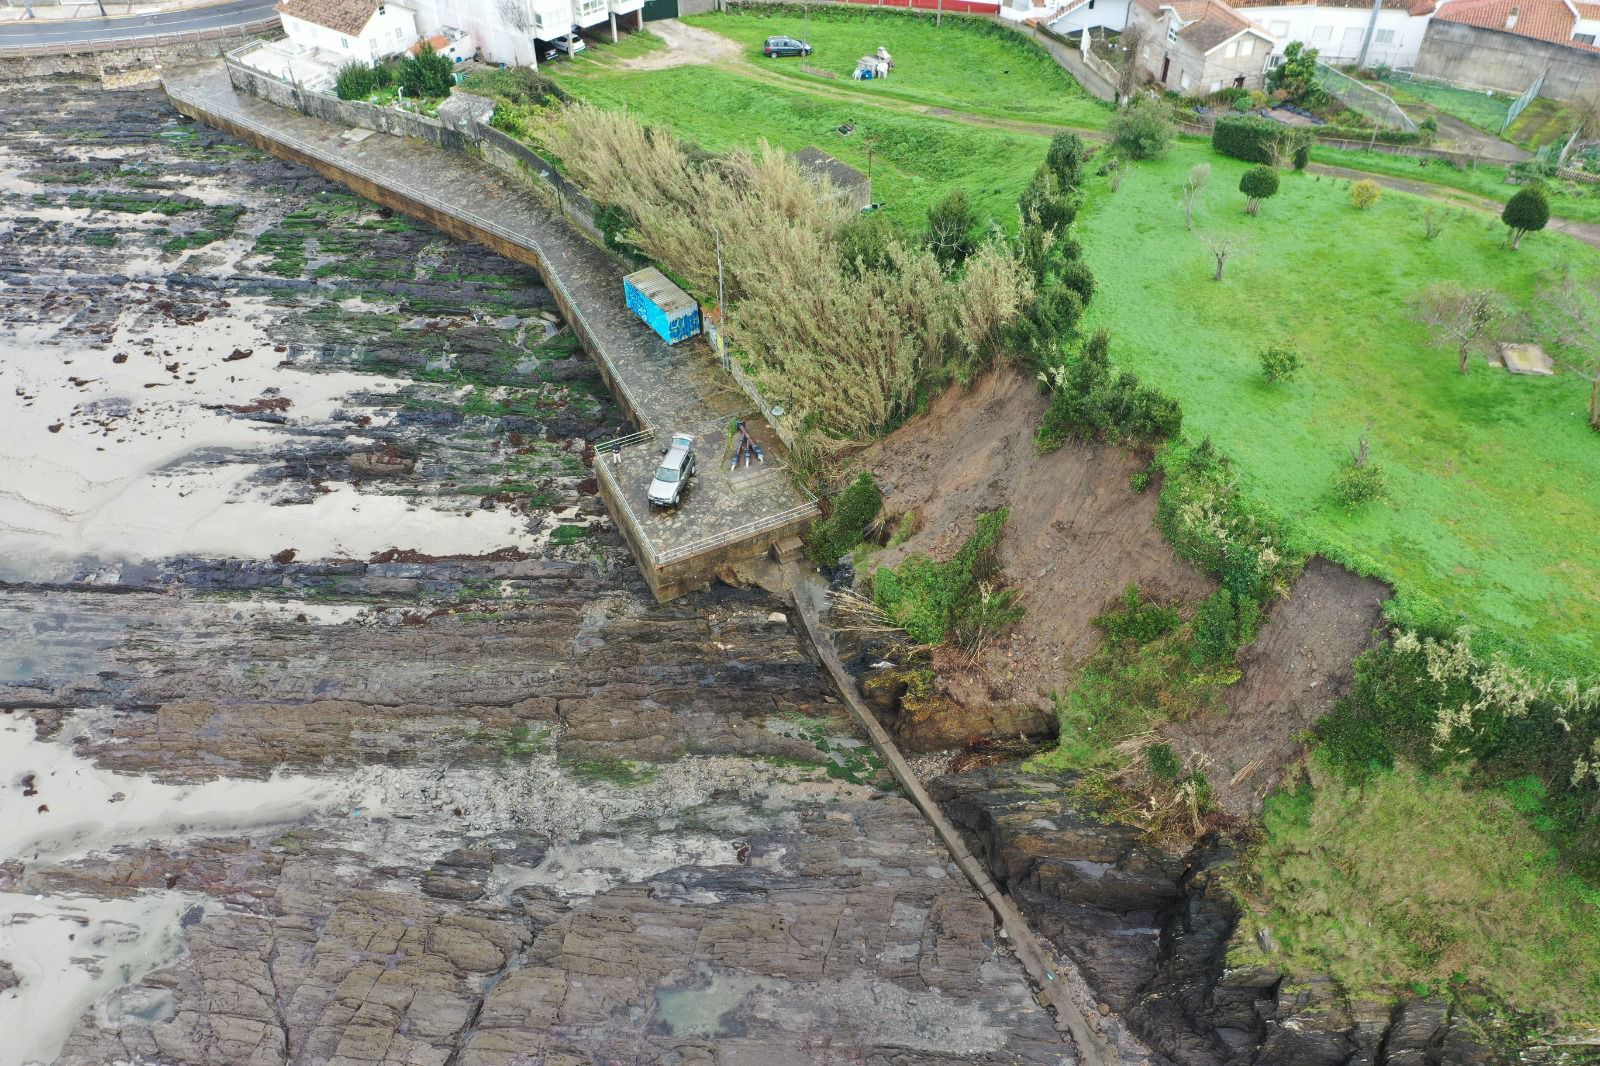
(1131, 41)
(1461, 318)
(1432, 222)
(518, 14)
(1199, 174)
(1222, 248)
(1570, 311)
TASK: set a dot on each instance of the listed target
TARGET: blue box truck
(665, 308)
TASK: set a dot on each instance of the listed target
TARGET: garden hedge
(1250, 138)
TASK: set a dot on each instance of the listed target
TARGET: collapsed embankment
(1151, 925)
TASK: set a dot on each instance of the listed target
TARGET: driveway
(102, 32)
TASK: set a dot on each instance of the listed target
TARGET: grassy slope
(1495, 479)
(1416, 880)
(915, 160)
(978, 69)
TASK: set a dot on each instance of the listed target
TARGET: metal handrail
(748, 529)
(618, 443)
(110, 44)
(428, 199)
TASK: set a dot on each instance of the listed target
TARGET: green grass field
(914, 159)
(964, 64)
(1414, 881)
(1495, 480)
(1485, 111)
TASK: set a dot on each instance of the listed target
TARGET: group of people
(745, 448)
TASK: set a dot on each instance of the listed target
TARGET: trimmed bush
(1258, 183)
(854, 510)
(1256, 140)
(1526, 212)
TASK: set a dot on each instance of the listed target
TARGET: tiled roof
(1411, 7)
(346, 16)
(1544, 20)
(1206, 23)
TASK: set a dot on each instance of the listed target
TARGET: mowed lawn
(914, 160)
(1494, 480)
(963, 64)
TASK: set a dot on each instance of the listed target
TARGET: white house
(1337, 28)
(367, 30)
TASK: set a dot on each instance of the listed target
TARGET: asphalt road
(18, 35)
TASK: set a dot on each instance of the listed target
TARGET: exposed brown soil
(1297, 667)
(1077, 535)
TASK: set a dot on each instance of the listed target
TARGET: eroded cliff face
(335, 723)
(1157, 934)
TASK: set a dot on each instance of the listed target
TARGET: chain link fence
(1357, 96)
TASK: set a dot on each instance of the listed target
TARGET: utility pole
(1366, 42)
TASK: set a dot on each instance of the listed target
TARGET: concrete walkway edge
(1093, 1047)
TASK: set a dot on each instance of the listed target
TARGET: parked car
(561, 47)
(677, 467)
(785, 46)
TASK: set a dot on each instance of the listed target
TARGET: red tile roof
(1544, 20)
(1410, 7)
(347, 16)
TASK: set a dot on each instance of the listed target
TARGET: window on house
(1216, 86)
(1584, 38)
(1322, 35)
(344, 42)
(1278, 29)
(1247, 46)
(1091, 5)
(1385, 37)
(1231, 51)
(1184, 81)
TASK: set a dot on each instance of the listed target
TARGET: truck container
(665, 308)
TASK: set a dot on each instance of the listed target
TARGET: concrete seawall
(660, 388)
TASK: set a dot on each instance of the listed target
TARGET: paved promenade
(665, 389)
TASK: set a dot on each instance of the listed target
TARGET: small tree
(1045, 201)
(1132, 41)
(1302, 155)
(952, 229)
(1065, 159)
(1296, 76)
(1570, 310)
(1365, 193)
(1461, 318)
(1141, 129)
(427, 73)
(1258, 183)
(1527, 212)
(1359, 480)
(1222, 248)
(1279, 363)
(1199, 174)
(1432, 222)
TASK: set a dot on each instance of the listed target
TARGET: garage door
(660, 9)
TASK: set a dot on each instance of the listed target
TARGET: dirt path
(686, 46)
(1587, 232)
